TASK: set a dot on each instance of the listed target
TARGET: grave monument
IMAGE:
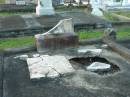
(44, 7)
(96, 8)
(59, 37)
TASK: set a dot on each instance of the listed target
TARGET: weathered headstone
(96, 8)
(60, 37)
(44, 8)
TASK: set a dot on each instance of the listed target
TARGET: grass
(13, 13)
(16, 42)
(89, 35)
(2, 1)
(124, 13)
(108, 16)
(122, 33)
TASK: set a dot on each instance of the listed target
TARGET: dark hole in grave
(83, 62)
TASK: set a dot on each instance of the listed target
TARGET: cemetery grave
(60, 64)
(65, 70)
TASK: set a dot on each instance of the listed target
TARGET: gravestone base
(44, 11)
(56, 42)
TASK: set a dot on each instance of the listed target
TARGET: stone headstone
(44, 8)
(60, 37)
(96, 8)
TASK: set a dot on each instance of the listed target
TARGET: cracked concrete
(81, 83)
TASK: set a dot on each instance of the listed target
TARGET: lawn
(14, 13)
(124, 13)
(89, 35)
(122, 33)
(2, 1)
(17, 42)
(109, 16)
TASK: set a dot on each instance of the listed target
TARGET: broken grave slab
(48, 66)
(98, 66)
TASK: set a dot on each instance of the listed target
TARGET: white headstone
(44, 8)
(125, 2)
(96, 5)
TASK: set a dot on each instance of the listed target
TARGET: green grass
(108, 16)
(13, 13)
(124, 13)
(2, 1)
(89, 35)
(16, 42)
(122, 33)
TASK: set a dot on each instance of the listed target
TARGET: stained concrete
(1, 75)
(24, 22)
(80, 84)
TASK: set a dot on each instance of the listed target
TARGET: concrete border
(121, 50)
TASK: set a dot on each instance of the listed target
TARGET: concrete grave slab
(17, 81)
(48, 66)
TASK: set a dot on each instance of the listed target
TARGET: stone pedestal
(59, 37)
(44, 8)
(56, 42)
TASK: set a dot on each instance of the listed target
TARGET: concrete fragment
(36, 55)
(98, 66)
(92, 51)
(22, 57)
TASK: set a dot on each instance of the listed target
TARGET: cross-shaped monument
(44, 7)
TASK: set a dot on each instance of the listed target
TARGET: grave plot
(90, 71)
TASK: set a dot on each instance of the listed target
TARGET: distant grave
(44, 7)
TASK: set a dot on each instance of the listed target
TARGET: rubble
(22, 57)
(96, 52)
(98, 66)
